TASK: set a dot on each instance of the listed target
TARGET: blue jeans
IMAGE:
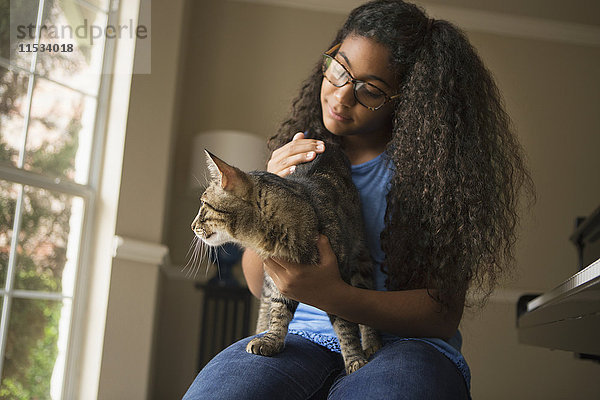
(304, 370)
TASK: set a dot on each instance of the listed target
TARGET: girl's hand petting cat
(310, 284)
(284, 160)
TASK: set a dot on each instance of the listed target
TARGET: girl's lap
(298, 372)
(405, 369)
(304, 370)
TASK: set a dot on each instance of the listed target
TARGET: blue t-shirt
(372, 180)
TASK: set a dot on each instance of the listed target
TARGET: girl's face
(368, 61)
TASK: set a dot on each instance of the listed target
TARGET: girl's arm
(408, 313)
(252, 265)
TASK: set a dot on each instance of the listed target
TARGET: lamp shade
(243, 150)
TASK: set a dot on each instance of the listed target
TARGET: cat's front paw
(369, 351)
(355, 364)
(371, 341)
(264, 346)
(372, 345)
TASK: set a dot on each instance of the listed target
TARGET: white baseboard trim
(139, 251)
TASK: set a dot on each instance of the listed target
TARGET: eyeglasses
(366, 94)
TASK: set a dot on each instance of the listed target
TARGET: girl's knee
(404, 370)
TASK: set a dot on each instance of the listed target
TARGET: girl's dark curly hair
(451, 216)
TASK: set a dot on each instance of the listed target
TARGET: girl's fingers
(284, 159)
(296, 147)
(325, 251)
(288, 165)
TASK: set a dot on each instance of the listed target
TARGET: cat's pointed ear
(212, 163)
(229, 177)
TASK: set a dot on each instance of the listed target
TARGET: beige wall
(227, 86)
(127, 358)
(244, 62)
(552, 92)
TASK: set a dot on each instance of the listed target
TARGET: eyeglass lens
(366, 94)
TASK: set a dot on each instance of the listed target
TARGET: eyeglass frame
(387, 98)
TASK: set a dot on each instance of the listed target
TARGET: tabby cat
(282, 217)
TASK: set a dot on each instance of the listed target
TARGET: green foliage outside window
(31, 346)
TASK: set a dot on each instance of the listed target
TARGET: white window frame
(80, 299)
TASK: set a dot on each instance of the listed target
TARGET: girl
(439, 172)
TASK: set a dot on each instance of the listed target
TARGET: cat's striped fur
(282, 217)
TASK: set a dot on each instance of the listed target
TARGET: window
(49, 141)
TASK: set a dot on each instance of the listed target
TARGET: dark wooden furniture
(568, 317)
(225, 318)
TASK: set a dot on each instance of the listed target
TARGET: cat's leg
(352, 352)
(363, 278)
(281, 312)
(370, 339)
(263, 311)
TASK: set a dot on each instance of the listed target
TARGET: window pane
(72, 23)
(13, 103)
(48, 241)
(23, 14)
(8, 199)
(34, 358)
(60, 130)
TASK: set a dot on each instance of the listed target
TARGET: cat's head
(225, 205)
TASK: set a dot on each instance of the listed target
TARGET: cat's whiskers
(225, 251)
(207, 254)
(193, 264)
(205, 257)
(200, 251)
(216, 260)
(193, 242)
(199, 256)
(210, 254)
(190, 263)
(198, 180)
